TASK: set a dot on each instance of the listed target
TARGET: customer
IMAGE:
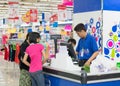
(73, 42)
(87, 48)
(36, 51)
(25, 79)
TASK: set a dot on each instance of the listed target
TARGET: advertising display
(111, 26)
(26, 17)
(13, 11)
(111, 33)
(33, 15)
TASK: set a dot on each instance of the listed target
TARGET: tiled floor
(9, 73)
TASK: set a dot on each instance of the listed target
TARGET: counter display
(58, 77)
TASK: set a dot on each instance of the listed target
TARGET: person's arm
(45, 54)
(76, 52)
(95, 49)
(94, 55)
(22, 50)
(25, 60)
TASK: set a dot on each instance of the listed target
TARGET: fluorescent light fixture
(28, 7)
(26, 3)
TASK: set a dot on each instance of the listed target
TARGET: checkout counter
(63, 72)
(60, 77)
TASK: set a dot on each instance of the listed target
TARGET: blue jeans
(37, 78)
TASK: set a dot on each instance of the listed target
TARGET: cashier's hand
(87, 63)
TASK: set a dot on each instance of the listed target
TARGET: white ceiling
(25, 5)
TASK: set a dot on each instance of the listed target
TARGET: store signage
(68, 2)
(61, 7)
(13, 11)
(62, 12)
(62, 15)
(54, 18)
(47, 16)
(30, 16)
(55, 24)
(68, 27)
(26, 17)
(43, 16)
(47, 28)
(69, 15)
(33, 15)
(63, 32)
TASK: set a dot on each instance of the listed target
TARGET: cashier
(87, 49)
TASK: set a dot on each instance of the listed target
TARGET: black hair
(72, 41)
(27, 35)
(79, 27)
(33, 37)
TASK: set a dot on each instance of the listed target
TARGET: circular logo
(110, 43)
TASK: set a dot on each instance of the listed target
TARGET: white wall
(85, 18)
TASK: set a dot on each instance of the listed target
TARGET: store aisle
(9, 73)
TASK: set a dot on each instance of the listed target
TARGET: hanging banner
(33, 15)
(26, 17)
(47, 16)
(61, 7)
(69, 15)
(68, 2)
(54, 18)
(62, 15)
(13, 10)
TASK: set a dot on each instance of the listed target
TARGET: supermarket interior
(93, 24)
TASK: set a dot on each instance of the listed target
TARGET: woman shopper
(36, 51)
(25, 79)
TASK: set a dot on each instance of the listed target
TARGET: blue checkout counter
(57, 77)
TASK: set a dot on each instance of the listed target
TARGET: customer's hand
(47, 47)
